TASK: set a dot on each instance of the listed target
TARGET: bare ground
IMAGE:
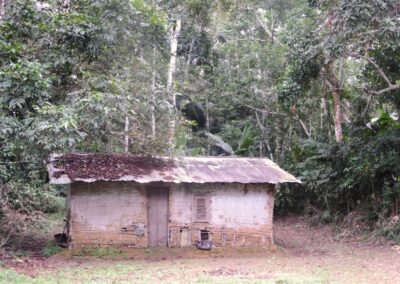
(302, 254)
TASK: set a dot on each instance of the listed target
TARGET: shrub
(51, 249)
(391, 230)
(33, 197)
(22, 209)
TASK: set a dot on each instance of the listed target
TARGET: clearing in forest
(303, 254)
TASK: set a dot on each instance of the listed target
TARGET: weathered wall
(115, 214)
(240, 215)
(108, 213)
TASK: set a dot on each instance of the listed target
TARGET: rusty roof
(91, 167)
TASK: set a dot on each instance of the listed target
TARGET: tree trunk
(304, 126)
(126, 135)
(272, 26)
(207, 111)
(264, 135)
(334, 86)
(287, 142)
(3, 4)
(153, 97)
(271, 156)
(174, 34)
(277, 142)
(324, 111)
(338, 116)
(189, 58)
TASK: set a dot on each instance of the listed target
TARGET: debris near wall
(97, 165)
(204, 245)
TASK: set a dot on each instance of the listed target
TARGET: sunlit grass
(179, 271)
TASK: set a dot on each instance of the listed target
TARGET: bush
(391, 230)
(361, 173)
(33, 197)
(22, 209)
(51, 249)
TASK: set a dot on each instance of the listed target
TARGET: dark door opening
(204, 235)
(158, 216)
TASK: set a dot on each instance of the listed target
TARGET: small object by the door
(204, 245)
(62, 238)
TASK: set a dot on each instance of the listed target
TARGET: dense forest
(313, 85)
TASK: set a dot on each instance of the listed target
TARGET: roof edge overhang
(57, 175)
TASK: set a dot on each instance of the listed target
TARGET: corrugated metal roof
(88, 167)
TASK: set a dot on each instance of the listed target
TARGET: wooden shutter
(201, 208)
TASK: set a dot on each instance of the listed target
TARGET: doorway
(158, 216)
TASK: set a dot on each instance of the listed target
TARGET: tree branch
(373, 63)
(264, 25)
(308, 133)
(263, 128)
(265, 111)
(388, 89)
(368, 103)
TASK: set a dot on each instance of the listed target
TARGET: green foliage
(304, 54)
(51, 249)
(246, 141)
(24, 84)
(11, 276)
(258, 73)
(155, 16)
(29, 197)
(66, 84)
(362, 171)
(244, 144)
(100, 252)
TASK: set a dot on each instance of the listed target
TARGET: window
(201, 208)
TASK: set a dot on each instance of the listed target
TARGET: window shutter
(201, 209)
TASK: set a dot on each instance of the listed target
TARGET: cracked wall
(115, 214)
(240, 215)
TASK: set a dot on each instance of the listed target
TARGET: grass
(51, 249)
(100, 252)
(149, 273)
(309, 257)
(273, 269)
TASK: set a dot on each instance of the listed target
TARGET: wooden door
(158, 216)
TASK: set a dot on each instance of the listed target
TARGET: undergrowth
(51, 249)
(99, 252)
(391, 230)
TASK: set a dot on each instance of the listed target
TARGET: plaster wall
(240, 215)
(108, 213)
(115, 214)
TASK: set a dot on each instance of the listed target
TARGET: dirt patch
(224, 271)
(29, 266)
(107, 166)
(296, 235)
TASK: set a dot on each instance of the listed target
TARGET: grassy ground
(302, 254)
